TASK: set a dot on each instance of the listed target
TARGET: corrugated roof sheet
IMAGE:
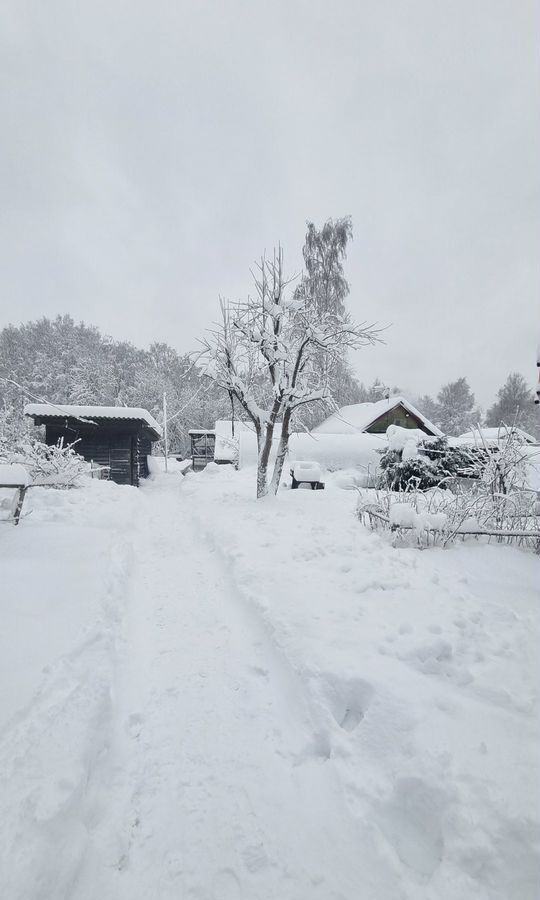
(135, 413)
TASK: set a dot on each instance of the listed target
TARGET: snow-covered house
(374, 418)
(352, 437)
(118, 437)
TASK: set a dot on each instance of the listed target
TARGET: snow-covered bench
(14, 477)
(306, 472)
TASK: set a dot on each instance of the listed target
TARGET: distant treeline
(61, 361)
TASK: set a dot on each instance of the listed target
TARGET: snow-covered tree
(324, 284)
(429, 407)
(457, 412)
(266, 352)
(324, 280)
(61, 361)
(514, 405)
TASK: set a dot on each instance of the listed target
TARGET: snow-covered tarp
(14, 474)
(227, 446)
(333, 451)
(89, 412)
(339, 451)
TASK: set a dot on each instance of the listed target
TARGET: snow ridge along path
(262, 700)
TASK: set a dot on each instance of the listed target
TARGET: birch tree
(266, 353)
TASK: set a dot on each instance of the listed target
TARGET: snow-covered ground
(207, 696)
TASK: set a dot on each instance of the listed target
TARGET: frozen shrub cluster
(419, 465)
(443, 495)
(59, 465)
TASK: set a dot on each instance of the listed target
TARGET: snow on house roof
(491, 436)
(136, 413)
(358, 417)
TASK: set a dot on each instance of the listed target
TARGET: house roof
(359, 416)
(88, 413)
(492, 436)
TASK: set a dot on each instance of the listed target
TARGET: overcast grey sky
(150, 151)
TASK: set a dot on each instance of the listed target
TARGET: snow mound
(14, 474)
(307, 471)
(399, 438)
(403, 515)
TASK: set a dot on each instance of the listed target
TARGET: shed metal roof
(133, 413)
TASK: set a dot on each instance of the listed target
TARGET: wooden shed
(118, 437)
(203, 442)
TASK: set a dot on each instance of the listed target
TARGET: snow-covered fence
(441, 517)
(15, 480)
(101, 473)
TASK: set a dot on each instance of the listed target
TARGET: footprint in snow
(134, 725)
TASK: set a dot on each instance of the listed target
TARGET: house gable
(397, 415)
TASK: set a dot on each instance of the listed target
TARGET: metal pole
(165, 436)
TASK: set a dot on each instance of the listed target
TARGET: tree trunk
(281, 453)
(264, 446)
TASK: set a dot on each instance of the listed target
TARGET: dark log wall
(144, 449)
(122, 446)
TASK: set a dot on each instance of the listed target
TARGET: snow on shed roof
(359, 416)
(136, 413)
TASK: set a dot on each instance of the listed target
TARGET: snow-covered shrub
(495, 500)
(400, 474)
(58, 465)
(420, 465)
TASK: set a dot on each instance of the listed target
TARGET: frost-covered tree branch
(267, 352)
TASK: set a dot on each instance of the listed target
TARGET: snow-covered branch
(274, 352)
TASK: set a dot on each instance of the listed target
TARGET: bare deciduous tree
(266, 352)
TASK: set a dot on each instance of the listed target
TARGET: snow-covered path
(209, 790)
(208, 697)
